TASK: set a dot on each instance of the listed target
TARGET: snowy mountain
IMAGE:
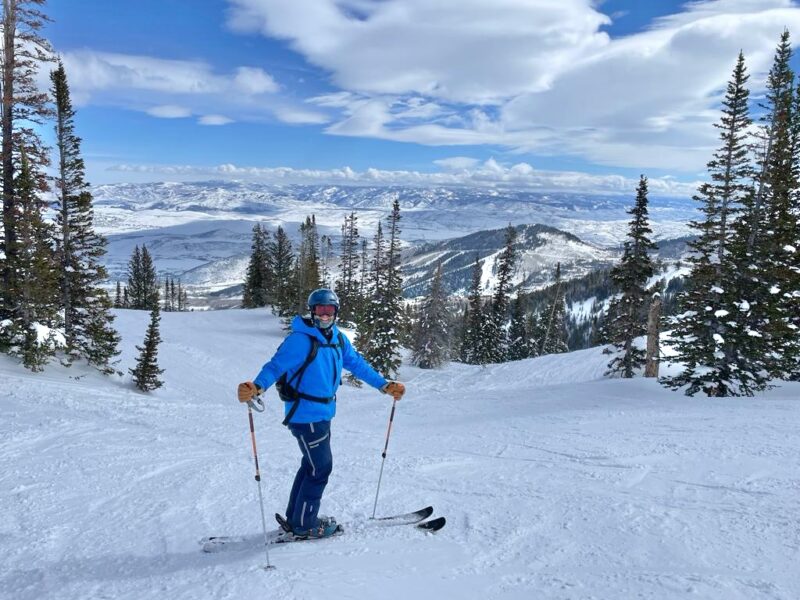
(538, 248)
(556, 483)
(200, 232)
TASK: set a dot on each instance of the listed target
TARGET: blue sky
(571, 94)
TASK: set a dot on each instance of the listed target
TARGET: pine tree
(326, 255)
(519, 340)
(347, 286)
(281, 262)
(118, 296)
(431, 344)
(472, 344)
(88, 322)
(307, 274)
(712, 335)
(24, 108)
(31, 333)
(135, 294)
(765, 264)
(259, 279)
(146, 375)
(497, 344)
(383, 316)
(553, 331)
(149, 287)
(630, 277)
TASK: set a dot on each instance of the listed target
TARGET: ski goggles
(325, 310)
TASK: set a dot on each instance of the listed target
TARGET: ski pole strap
(257, 404)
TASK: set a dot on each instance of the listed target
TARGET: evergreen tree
(712, 335)
(326, 255)
(88, 322)
(347, 286)
(259, 278)
(498, 342)
(431, 344)
(149, 287)
(307, 273)
(472, 345)
(146, 375)
(383, 317)
(519, 341)
(630, 277)
(534, 330)
(769, 226)
(24, 108)
(552, 322)
(281, 261)
(167, 307)
(118, 296)
(31, 334)
(135, 294)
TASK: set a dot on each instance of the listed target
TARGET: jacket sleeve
(359, 367)
(290, 355)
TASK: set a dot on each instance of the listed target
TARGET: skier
(307, 371)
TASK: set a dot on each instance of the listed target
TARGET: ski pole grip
(257, 404)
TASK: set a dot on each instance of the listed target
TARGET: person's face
(325, 313)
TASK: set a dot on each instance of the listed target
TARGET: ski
(408, 518)
(284, 536)
(432, 525)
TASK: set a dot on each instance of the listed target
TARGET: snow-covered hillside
(555, 482)
(207, 225)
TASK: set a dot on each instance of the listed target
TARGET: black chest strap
(288, 389)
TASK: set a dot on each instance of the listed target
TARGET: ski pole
(385, 447)
(250, 406)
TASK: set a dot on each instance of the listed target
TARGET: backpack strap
(290, 393)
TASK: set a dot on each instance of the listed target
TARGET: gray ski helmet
(322, 296)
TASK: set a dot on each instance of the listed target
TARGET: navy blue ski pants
(314, 440)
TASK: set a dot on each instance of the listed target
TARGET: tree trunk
(653, 330)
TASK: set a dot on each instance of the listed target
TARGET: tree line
(52, 303)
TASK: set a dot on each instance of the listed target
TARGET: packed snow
(556, 482)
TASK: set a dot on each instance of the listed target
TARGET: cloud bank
(457, 172)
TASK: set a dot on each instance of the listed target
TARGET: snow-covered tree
(88, 322)
(498, 342)
(519, 339)
(378, 328)
(431, 343)
(629, 308)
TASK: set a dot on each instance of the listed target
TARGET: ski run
(556, 483)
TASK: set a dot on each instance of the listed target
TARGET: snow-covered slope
(555, 482)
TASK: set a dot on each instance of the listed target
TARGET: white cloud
(490, 174)
(176, 88)
(214, 120)
(254, 81)
(299, 116)
(534, 76)
(457, 50)
(169, 111)
(456, 163)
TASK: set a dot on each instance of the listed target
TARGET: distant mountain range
(200, 232)
(538, 249)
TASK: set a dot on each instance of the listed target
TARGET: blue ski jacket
(322, 377)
